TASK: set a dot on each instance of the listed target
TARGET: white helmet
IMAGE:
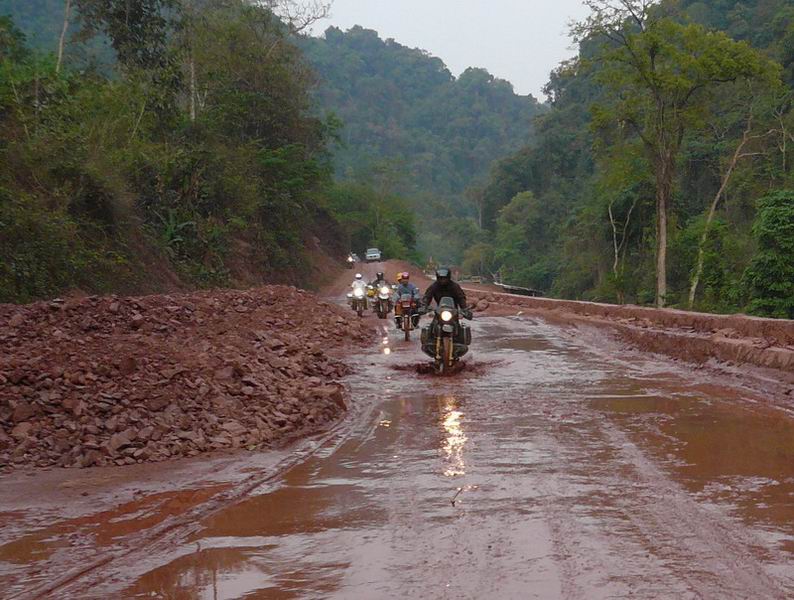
(359, 276)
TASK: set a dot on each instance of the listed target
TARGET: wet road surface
(547, 469)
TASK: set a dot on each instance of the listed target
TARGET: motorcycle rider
(444, 287)
(359, 282)
(379, 281)
(404, 286)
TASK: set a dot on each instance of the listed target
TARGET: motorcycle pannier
(465, 334)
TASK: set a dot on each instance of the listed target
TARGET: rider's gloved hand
(467, 313)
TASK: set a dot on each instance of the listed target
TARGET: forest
(214, 142)
(161, 144)
(663, 171)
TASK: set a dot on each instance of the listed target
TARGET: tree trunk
(664, 188)
(737, 156)
(62, 41)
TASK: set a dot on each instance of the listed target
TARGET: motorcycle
(351, 262)
(358, 300)
(383, 304)
(446, 340)
(408, 319)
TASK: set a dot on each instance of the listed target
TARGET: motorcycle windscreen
(446, 302)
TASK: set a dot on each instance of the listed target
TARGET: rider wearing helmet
(380, 280)
(444, 287)
(359, 281)
(404, 287)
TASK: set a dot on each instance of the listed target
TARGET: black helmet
(379, 277)
(443, 275)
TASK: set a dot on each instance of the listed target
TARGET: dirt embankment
(103, 381)
(695, 337)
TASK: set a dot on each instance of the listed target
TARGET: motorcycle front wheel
(446, 362)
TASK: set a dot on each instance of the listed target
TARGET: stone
(23, 412)
(332, 393)
(121, 440)
(74, 405)
(137, 321)
(234, 427)
(157, 404)
(22, 430)
(128, 365)
(89, 458)
(111, 424)
(16, 320)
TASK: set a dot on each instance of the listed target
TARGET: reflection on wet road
(555, 473)
(548, 471)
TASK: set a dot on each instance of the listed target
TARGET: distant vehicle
(373, 255)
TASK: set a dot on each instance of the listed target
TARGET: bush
(770, 277)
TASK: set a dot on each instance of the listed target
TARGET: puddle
(513, 483)
(36, 554)
(723, 452)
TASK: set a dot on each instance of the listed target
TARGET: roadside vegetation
(663, 172)
(211, 142)
(167, 144)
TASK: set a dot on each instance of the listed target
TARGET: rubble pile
(116, 381)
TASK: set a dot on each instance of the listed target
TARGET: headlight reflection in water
(455, 439)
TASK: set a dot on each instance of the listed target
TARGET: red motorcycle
(408, 317)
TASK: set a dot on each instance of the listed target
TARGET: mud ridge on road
(119, 381)
(767, 345)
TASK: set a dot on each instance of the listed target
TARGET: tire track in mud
(663, 544)
(558, 500)
(172, 532)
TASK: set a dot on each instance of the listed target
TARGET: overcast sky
(517, 40)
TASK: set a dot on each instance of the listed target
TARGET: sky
(517, 40)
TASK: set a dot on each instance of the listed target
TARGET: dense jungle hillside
(408, 124)
(576, 211)
(157, 145)
(212, 143)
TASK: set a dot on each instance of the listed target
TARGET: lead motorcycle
(446, 340)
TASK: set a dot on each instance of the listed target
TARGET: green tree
(662, 75)
(770, 277)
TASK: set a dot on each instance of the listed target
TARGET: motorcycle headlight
(446, 316)
(384, 290)
(349, 259)
(358, 292)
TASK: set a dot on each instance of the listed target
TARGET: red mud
(118, 381)
(464, 369)
(735, 340)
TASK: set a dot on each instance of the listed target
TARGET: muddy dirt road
(548, 469)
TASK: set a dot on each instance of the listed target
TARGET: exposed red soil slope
(98, 381)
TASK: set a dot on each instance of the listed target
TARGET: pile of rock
(103, 381)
